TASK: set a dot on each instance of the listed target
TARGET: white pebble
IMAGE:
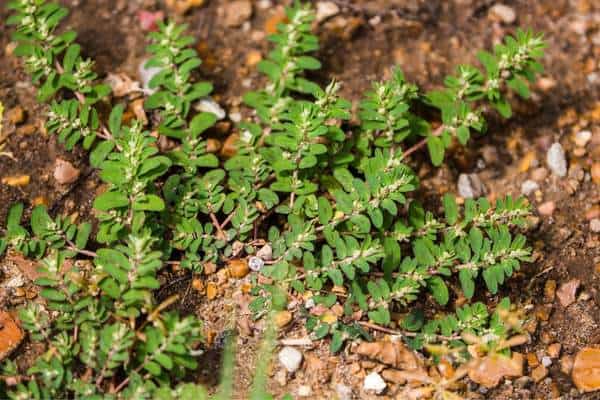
(326, 9)
(546, 361)
(344, 392)
(304, 391)
(290, 358)
(504, 13)
(470, 186)
(256, 263)
(266, 252)
(582, 138)
(595, 225)
(207, 104)
(555, 158)
(529, 187)
(374, 382)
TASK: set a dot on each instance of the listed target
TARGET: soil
(359, 45)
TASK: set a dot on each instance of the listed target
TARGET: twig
(217, 225)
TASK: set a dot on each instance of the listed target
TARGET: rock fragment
(503, 13)
(11, 334)
(555, 158)
(65, 172)
(237, 12)
(290, 358)
(374, 383)
(586, 369)
(529, 186)
(470, 186)
(326, 9)
(567, 291)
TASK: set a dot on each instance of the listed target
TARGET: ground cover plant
(311, 202)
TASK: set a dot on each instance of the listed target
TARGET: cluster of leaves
(320, 207)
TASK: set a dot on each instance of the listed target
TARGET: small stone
(198, 285)
(582, 138)
(207, 104)
(592, 212)
(529, 186)
(282, 318)
(237, 12)
(65, 172)
(290, 358)
(555, 158)
(253, 57)
(546, 361)
(566, 292)
(586, 369)
(182, 6)
(238, 268)
(566, 364)
(344, 392)
(213, 145)
(16, 180)
(273, 21)
(503, 13)
(553, 350)
(595, 225)
(304, 391)
(256, 263)
(532, 360)
(211, 291)
(229, 148)
(209, 268)
(15, 115)
(470, 186)
(10, 334)
(374, 383)
(539, 174)
(539, 373)
(549, 290)
(326, 9)
(266, 252)
(547, 208)
(595, 172)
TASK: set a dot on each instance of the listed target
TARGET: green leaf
(467, 283)
(110, 200)
(100, 152)
(436, 150)
(438, 289)
(148, 202)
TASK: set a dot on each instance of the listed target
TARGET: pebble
(374, 382)
(344, 392)
(207, 104)
(555, 158)
(10, 334)
(256, 263)
(65, 172)
(586, 369)
(582, 138)
(566, 364)
(595, 225)
(211, 291)
(282, 318)
(539, 174)
(182, 6)
(304, 391)
(266, 252)
(503, 13)
(529, 186)
(549, 291)
(238, 268)
(546, 361)
(470, 186)
(230, 145)
(554, 350)
(566, 292)
(595, 171)
(539, 373)
(17, 180)
(253, 57)
(326, 9)
(237, 12)
(290, 358)
(15, 115)
(547, 208)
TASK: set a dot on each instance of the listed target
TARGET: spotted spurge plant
(325, 210)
